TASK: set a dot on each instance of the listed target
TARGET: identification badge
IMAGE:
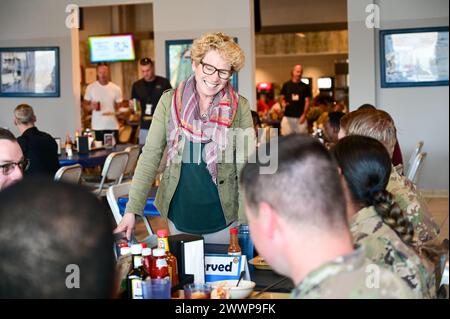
(295, 97)
(148, 109)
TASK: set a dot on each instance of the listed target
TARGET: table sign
(225, 267)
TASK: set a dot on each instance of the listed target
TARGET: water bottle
(245, 241)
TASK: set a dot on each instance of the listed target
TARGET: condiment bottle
(163, 243)
(234, 249)
(147, 259)
(159, 269)
(136, 275)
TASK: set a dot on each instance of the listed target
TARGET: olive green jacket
(228, 174)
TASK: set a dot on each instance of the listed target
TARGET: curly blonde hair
(223, 44)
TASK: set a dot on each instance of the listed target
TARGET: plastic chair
(413, 157)
(112, 196)
(70, 174)
(415, 167)
(113, 169)
(133, 156)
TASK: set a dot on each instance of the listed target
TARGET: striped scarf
(185, 119)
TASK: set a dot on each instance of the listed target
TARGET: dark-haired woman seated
(376, 221)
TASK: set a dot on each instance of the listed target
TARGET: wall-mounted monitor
(325, 83)
(414, 57)
(111, 48)
(307, 81)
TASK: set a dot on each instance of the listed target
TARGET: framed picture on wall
(414, 57)
(29, 72)
(178, 62)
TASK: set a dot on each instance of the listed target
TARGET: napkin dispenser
(190, 253)
(83, 145)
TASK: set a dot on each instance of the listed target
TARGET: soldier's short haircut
(24, 114)
(7, 135)
(373, 123)
(306, 188)
(47, 226)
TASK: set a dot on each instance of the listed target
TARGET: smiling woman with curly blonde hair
(199, 193)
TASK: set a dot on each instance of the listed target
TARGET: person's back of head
(332, 126)
(366, 166)
(305, 189)
(24, 114)
(367, 106)
(300, 206)
(373, 123)
(56, 242)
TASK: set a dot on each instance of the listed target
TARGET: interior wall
(288, 12)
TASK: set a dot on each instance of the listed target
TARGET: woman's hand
(126, 224)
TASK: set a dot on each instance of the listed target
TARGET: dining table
(95, 157)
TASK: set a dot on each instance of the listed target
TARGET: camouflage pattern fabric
(385, 248)
(413, 204)
(352, 277)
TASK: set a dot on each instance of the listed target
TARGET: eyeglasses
(210, 70)
(8, 168)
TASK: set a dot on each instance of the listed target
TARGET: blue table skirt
(149, 210)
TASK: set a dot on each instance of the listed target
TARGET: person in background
(376, 220)
(379, 125)
(295, 100)
(38, 147)
(282, 223)
(12, 161)
(55, 244)
(199, 193)
(148, 91)
(397, 157)
(331, 128)
(103, 98)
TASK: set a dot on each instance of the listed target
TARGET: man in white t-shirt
(103, 98)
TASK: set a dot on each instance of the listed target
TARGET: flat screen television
(414, 57)
(325, 83)
(111, 48)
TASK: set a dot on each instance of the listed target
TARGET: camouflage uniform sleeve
(413, 204)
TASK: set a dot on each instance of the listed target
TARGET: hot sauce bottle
(163, 243)
(234, 249)
(159, 269)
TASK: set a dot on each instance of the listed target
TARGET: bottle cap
(136, 249)
(158, 252)
(162, 233)
(233, 230)
(125, 251)
(146, 252)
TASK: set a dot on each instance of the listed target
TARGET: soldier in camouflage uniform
(412, 203)
(301, 229)
(352, 277)
(379, 125)
(384, 247)
(376, 221)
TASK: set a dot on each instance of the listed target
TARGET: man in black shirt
(147, 91)
(39, 147)
(295, 99)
